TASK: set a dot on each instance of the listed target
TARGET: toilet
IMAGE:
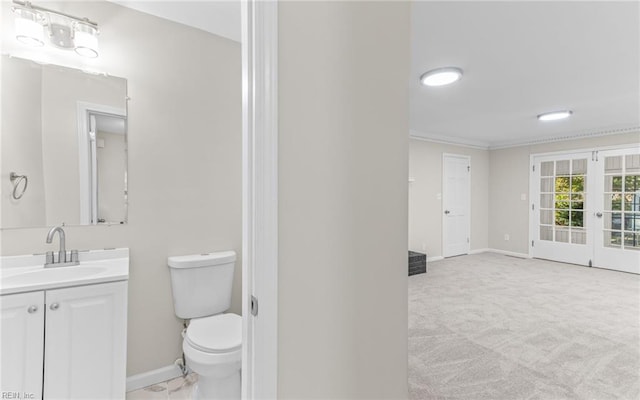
(212, 345)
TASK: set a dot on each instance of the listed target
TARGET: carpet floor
(489, 326)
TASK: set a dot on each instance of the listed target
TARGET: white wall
(509, 178)
(343, 146)
(425, 196)
(184, 144)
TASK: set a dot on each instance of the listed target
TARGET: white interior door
(617, 210)
(561, 200)
(456, 201)
(586, 208)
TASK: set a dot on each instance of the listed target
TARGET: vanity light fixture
(555, 115)
(441, 76)
(63, 31)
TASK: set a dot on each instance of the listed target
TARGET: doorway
(456, 204)
(586, 208)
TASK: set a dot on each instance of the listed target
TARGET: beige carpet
(489, 326)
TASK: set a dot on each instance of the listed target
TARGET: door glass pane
(632, 163)
(577, 183)
(577, 218)
(563, 167)
(546, 233)
(579, 167)
(631, 241)
(546, 201)
(562, 218)
(612, 221)
(578, 236)
(612, 238)
(632, 201)
(546, 217)
(562, 235)
(613, 165)
(613, 202)
(632, 183)
(613, 183)
(562, 184)
(546, 185)
(546, 168)
(632, 222)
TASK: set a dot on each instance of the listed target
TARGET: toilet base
(211, 388)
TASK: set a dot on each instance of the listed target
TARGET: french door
(586, 208)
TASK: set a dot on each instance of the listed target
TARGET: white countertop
(27, 273)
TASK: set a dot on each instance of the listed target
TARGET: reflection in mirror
(65, 131)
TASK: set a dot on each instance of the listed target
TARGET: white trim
(84, 158)
(260, 201)
(435, 258)
(450, 140)
(484, 145)
(139, 381)
(478, 251)
(509, 253)
(582, 149)
(577, 136)
(442, 203)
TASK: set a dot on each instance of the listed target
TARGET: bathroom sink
(27, 273)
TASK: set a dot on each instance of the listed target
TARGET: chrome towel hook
(16, 180)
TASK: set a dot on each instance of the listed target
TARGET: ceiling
(219, 17)
(521, 59)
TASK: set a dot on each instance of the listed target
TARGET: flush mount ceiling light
(555, 115)
(64, 31)
(441, 76)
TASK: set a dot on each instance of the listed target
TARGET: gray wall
(509, 178)
(343, 147)
(184, 141)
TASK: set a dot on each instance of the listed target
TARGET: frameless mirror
(63, 146)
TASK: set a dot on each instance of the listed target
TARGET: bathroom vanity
(63, 332)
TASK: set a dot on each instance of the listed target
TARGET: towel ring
(16, 180)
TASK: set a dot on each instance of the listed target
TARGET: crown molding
(483, 145)
(563, 138)
(451, 140)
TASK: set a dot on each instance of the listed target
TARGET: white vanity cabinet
(84, 330)
(22, 343)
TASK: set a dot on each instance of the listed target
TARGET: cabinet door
(22, 341)
(85, 349)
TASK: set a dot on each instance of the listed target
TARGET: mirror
(63, 146)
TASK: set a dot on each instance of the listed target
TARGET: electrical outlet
(506, 237)
(523, 197)
(424, 247)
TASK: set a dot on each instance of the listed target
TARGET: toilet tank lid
(202, 260)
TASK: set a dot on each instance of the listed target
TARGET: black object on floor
(417, 263)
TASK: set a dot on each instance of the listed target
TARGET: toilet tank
(201, 283)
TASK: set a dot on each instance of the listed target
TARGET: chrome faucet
(62, 253)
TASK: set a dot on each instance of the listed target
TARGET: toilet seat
(220, 333)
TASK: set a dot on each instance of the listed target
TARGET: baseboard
(153, 377)
(436, 258)
(508, 253)
(478, 251)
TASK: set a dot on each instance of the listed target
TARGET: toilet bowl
(212, 344)
(213, 349)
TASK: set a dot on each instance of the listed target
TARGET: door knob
(32, 309)
(447, 212)
(54, 306)
(599, 214)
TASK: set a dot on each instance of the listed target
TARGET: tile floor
(174, 389)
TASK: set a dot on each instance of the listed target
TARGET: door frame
(83, 111)
(468, 159)
(259, 198)
(532, 184)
